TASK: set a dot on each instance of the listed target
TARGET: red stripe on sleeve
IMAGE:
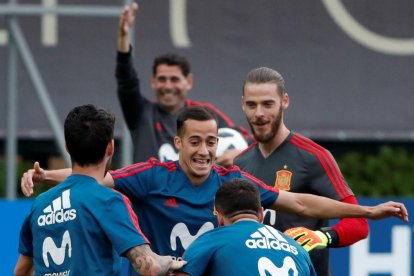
(133, 217)
(142, 166)
(130, 170)
(259, 182)
(327, 162)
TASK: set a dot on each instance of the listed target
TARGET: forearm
(54, 177)
(123, 44)
(128, 89)
(319, 207)
(24, 266)
(326, 208)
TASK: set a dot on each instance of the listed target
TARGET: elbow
(18, 271)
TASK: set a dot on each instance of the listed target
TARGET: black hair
(237, 196)
(198, 113)
(172, 60)
(88, 130)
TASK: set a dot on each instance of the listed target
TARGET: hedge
(390, 172)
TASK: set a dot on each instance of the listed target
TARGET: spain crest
(283, 180)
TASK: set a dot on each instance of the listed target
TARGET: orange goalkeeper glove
(309, 239)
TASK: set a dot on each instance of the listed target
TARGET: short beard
(273, 131)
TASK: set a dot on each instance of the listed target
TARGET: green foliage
(22, 166)
(388, 173)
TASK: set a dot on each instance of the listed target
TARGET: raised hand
(126, 21)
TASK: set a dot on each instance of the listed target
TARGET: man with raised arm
(152, 124)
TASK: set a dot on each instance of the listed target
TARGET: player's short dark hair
(266, 75)
(172, 60)
(237, 196)
(88, 130)
(198, 113)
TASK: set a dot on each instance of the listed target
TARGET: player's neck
(240, 217)
(96, 171)
(173, 109)
(266, 148)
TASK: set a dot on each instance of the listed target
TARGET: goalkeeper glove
(310, 239)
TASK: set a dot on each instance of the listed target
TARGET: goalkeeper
(291, 162)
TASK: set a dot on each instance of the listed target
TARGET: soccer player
(175, 200)
(244, 246)
(291, 162)
(81, 227)
(153, 124)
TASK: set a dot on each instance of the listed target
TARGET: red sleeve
(351, 230)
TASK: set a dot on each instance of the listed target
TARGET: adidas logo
(57, 212)
(172, 202)
(267, 237)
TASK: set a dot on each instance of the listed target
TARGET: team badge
(283, 180)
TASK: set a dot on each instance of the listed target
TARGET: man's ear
(220, 219)
(285, 101)
(177, 142)
(189, 81)
(110, 148)
(242, 103)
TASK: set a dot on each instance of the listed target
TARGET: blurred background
(348, 67)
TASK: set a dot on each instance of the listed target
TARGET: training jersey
(298, 165)
(153, 129)
(172, 211)
(79, 228)
(246, 248)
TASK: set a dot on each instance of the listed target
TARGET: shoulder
(233, 171)
(145, 167)
(308, 148)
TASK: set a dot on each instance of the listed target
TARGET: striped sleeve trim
(133, 217)
(131, 170)
(259, 182)
(224, 171)
(142, 166)
(327, 162)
